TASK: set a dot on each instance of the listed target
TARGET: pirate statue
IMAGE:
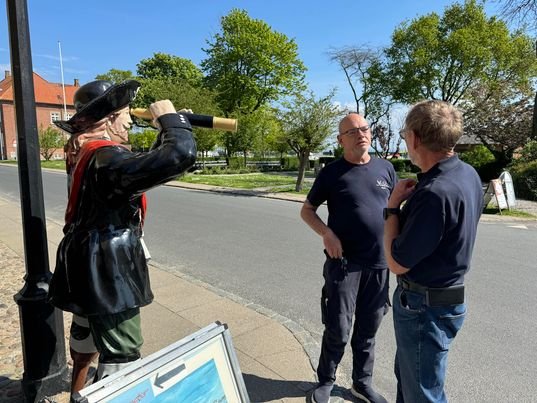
(101, 273)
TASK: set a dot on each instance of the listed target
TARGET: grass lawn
(56, 164)
(509, 213)
(268, 182)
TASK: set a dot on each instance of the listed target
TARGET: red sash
(86, 152)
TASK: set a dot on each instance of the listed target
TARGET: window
(54, 116)
(67, 116)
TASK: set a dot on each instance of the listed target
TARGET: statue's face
(120, 124)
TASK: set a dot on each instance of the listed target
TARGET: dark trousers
(348, 291)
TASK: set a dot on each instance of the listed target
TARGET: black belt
(452, 295)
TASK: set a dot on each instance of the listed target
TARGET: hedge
(525, 180)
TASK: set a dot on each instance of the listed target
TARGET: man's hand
(332, 244)
(402, 191)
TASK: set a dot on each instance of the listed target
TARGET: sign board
(498, 193)
(507, 181)
(202, 367)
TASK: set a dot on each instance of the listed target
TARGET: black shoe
(367, 394)
(320, 394)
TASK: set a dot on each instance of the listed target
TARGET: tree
(250, 65)
(143, 140)
(162, 65)
(501, 123)
(522, 11)
(206, 140)
(268, 127)
(307, 122)
(444, 57)
(50, 140)
(385, 140)
(363, 67)
(116, 76)
(465, 58)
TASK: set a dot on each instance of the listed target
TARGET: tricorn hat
(96, 100)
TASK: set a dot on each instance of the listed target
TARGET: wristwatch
(390, 211)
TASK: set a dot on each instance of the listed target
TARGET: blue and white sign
(197, 369)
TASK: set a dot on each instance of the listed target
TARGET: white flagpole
(63, 84)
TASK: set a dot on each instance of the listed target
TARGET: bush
(525, 180)
(483, 161)
(529, 152)
(477, 156)
(399, 165)
(290, 163)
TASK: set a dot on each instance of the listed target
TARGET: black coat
(100, 264)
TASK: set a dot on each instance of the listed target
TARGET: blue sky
(98, 35)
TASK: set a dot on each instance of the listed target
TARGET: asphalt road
(260, 250)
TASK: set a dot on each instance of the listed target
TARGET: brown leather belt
(452, 295)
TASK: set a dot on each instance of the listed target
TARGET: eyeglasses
(356, 130)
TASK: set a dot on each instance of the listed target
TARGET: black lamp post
(42, 332)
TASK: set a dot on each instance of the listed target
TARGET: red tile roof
(45, 92)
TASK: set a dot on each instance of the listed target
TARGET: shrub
(399, 165)
(529, 152)
(484, 162)
(290, 163)
(477, 156)
(525, 180)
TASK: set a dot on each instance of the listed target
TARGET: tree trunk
(534, 125)
(303, 161)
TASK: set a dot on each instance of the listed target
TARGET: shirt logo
(381, 183)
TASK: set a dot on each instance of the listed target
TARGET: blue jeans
(423, 335)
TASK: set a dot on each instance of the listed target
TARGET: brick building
(49, 107)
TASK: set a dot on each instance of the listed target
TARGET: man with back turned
(428, 245)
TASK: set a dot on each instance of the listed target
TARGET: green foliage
(525, 180)
(528, 152)
(478, 156)
(50, 140)
(162, 65)
(484, 162)
(116, 76)
(399, 165)
(250, 65)
(183, 95)
(307, 122)
(142, 141)
(290, 163)
(444, 57)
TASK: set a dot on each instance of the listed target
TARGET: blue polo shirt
(439, 224)
(355, 196)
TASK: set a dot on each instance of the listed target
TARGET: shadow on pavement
(264, 390)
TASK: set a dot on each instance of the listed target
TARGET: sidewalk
(271, 349)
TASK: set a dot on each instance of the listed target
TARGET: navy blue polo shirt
(439, 224)
(355, 196)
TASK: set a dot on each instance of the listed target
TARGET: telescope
(207, 121)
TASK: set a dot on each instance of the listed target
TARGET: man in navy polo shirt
(356, 189)
(428, 245)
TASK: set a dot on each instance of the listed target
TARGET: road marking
(518, 226)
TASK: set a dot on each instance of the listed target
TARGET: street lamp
(41, 325)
